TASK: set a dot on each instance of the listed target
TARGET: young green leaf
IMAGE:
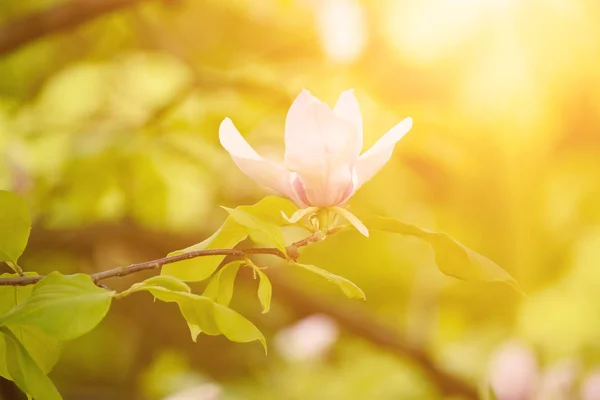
(24, 371)
(264, 291)
(260, 231)
(203, 315)
(15, 224)
(452, 258)
(270, 209)
(349, 288)
(220, 287)
(167, 282)
(64, 307)
(44, 349)
(10, 296)
(198, 269)
(237, 328)
(163, 281)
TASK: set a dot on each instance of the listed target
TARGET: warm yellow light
(426, 30)
(342, 29)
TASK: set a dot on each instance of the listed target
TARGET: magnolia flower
(514, 372)
(590, 388)
(322, 165)
(515, 375)
(308, 339)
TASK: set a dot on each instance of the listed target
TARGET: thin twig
(292, 251)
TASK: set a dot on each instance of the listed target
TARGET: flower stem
(323, 215)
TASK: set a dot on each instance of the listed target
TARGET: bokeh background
(109, 130)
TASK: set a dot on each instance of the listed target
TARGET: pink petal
(348, 109)
(558, 380)
(321, 147)
(332, 189)
(514, 372)
(377, 156)
(264, 172)
(590, 389)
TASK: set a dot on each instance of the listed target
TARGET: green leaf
(11, 296)
(25, 372)
(203, 315)
(44, 349)
(263, 220)
(266, 212)
(348, 287)
(452, 258)
(200, 268)
(264, 291)
(15, 224)
(167, 282)
(270, 209)
(220, 288)
(260, 231)
(64, 307)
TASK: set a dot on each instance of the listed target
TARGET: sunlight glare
(342, 29)
(427, 30)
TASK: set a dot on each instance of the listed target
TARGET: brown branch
(349, 315)
(56, 19)
(292, 251)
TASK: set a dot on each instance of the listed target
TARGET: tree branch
(56, 19)
(158, 263)
(349, 315)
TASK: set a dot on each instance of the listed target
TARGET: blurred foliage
(114, 124)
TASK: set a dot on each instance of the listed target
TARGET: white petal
(353, 219)
(377, 156)
(347, 108)
(321, 147)
(264, 172)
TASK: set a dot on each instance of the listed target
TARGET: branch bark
(29, 28)
(158, 263)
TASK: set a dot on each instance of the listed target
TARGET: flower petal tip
(226, 121)
(284, 215)
(306, 92)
